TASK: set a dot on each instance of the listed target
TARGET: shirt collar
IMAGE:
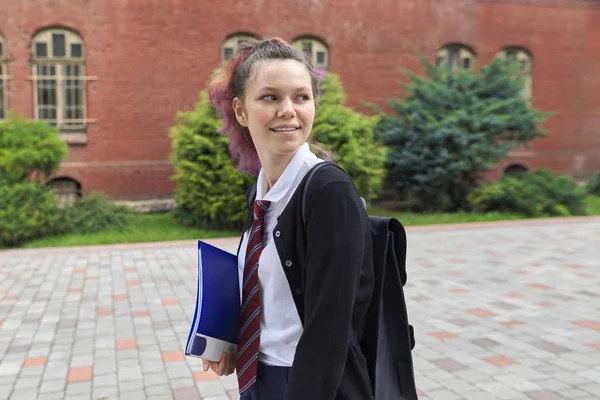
(285, 181)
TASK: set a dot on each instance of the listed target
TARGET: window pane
(46, 90)
(511, 53)
(1, 49)
(228, 53)
(41, 50)
(453, 58)
(58, 45)
(68, 99)
(523, 65)
(307, 48)
(78, 105)
(320, 57)
(73, 96)
(466, 63)
(76, 50)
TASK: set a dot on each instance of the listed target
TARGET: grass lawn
(411, 218)
(162, 227)
(592, 205)
(143, 228)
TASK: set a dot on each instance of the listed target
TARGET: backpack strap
(251, 194)
(309, 177)
(311, 174)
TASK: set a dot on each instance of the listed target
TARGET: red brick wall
(152, 58)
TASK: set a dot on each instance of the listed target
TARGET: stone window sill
(74, 138)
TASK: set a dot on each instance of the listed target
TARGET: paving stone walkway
(501, 311)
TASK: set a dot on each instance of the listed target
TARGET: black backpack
(388, 338)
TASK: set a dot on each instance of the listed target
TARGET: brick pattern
(117, 165)
(483, 331)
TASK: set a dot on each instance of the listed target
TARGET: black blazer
(328, 263)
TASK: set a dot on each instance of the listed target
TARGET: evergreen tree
(451, 128)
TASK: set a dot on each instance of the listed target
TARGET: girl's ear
(240, 114)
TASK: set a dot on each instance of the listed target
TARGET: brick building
(113, 73)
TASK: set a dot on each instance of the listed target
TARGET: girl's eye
(269, 97)
(304, 97)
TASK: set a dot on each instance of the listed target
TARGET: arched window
(456, 56)
(315, 49)
(523, 58)
(66, 190)
(59, 79)
(515, 170)
(3, 80)
(232, 44)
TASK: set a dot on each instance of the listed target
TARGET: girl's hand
(225, 366)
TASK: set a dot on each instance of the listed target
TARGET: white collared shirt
(280, 324)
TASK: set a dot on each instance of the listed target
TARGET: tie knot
(260, 209)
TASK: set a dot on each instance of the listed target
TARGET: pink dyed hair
(230, 82)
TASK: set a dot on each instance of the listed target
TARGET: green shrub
(536, 194)
(28, 147)
(210, 192)
(94, 212)
(452, 127)
(28, 211)
(593, 185)
(350, 135)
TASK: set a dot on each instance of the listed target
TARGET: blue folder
(214, 329)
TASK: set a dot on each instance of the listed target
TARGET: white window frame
(454, 56)
(233, 43)
(60, 65)
(316, 47)
(522, 56)
(4, 77)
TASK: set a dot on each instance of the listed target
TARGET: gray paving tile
(188, 393)
(211, 388)
(163, 390)
(531, 307)
(545, 395)
(52, 386)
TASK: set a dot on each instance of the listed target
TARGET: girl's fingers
(225, 366)
(232, 365)
(222, 364)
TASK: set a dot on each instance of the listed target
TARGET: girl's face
(278, 108)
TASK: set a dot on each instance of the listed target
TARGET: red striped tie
(249, 336)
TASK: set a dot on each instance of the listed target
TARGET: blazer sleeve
(336, 226)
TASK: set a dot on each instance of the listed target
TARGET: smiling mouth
(284, 130)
